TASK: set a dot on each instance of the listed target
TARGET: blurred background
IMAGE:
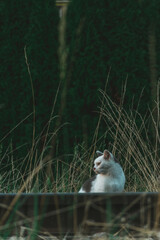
(59, 59)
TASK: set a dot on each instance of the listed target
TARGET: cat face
(104, 162)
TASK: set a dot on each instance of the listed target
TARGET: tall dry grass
(137, 145)
(132, 144)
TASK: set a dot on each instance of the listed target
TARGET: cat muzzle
(94, 169)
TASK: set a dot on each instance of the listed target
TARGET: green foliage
(87, 67)
(14, 28)
(41, 46)
(105, 35)
(30, 25)
(100, 35)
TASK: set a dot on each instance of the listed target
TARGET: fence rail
(62, 213)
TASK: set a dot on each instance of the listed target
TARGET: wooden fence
(67, 213)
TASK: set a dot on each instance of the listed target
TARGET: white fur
(109, 182)
(110, 176)
(81, 191)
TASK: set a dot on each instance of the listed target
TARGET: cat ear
(99, 153)
(106, 155)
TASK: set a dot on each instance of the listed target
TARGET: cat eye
(98, 163)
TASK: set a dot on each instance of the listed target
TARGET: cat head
(104, 162)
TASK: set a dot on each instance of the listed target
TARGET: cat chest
(102, 183)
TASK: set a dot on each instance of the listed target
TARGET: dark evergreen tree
(15, 22)
(42, 54)
(103, 35)
(31, 26)
(86, 66)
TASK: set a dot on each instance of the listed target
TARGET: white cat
(110, 176)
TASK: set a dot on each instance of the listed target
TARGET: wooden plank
(62, 3)
(63, 213)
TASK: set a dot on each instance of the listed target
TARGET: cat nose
(94, 168)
